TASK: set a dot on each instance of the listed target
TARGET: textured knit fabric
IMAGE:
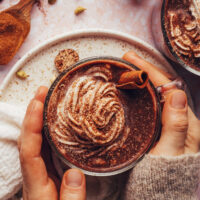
(10, 173)
(164, 178)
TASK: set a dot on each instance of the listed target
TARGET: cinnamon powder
(12, 34)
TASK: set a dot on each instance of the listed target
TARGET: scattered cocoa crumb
(37, 2)
(40, 6)
(51, 2)
(65, 59)
(79, 10)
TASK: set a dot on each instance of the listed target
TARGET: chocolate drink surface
(182, 24)
(96, 126)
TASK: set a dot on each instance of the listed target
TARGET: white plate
(39, 63)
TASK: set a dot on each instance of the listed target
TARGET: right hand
(180, 127)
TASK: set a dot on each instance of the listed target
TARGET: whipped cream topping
(185, 28)
(90, 116)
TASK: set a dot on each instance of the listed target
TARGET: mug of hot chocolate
(102, 115)
(176, 31)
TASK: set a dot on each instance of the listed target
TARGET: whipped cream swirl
(185, 28)
(90, 116)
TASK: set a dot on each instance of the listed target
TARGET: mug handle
(163, 90)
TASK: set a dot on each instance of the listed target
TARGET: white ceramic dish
(39, 62)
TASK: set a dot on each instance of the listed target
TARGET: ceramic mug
(55, 123)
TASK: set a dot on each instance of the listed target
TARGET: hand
(37, 183)
(180, 128)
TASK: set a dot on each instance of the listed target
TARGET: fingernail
(73, 178)
(178, 100)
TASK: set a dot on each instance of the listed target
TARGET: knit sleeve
(157, 177)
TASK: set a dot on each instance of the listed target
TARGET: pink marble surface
(129, 16)
(47, 21)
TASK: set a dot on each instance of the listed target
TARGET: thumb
(73, 185)
(174, 125)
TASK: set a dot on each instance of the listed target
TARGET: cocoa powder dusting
(12, 33)
(182, 24)
(121, 123)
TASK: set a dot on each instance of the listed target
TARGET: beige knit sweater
(164, 178)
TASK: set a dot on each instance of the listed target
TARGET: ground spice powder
(12, 34)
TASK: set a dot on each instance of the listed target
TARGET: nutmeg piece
(65, 59)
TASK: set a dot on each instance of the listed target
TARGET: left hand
(37, 181)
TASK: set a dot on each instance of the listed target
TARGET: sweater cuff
(158, 177)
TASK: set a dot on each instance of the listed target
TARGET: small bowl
(130, 162)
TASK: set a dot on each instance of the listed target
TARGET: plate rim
(81, 33)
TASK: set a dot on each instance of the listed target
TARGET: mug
(54, 97)
(176, 41)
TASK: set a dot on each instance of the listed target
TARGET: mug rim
(128, 166)
(168, 43)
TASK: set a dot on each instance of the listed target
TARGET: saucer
(39, 62)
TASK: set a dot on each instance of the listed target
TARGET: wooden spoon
(14, 27)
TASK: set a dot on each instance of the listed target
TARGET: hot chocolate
(182, 25)
(94, 125)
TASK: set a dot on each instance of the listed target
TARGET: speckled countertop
(47, 21)
(129, 16)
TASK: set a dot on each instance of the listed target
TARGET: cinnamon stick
(133, 80)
